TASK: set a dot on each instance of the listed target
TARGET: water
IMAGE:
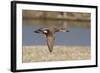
(76, 37)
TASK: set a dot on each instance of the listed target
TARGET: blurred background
(77, 23)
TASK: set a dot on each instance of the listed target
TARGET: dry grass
(60, 53)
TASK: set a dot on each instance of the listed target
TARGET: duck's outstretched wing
(50, 42)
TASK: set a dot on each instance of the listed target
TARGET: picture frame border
(13, 35)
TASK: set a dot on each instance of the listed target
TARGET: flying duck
(50, 35)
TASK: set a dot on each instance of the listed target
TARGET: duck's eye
(45, 31)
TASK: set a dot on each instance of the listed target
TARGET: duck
(50, 35)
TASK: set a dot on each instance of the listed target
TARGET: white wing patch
(45, 31)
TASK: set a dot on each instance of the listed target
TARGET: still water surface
(76, 37)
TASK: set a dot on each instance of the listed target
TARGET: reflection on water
(76, 36)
